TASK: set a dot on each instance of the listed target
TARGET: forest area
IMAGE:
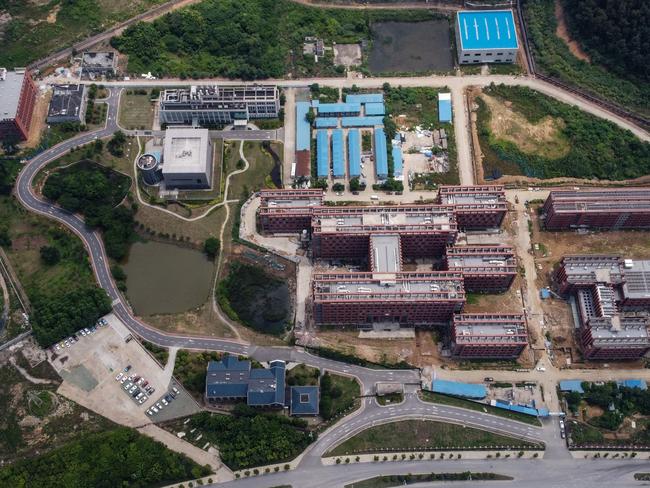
(251, 40)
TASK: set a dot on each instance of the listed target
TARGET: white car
(119, 377)
(133, 388)
(154, 409)
(165, 402)
(127, 386)
(143, 399)
(87, 331)
(159, 406)
(149, 412)
(123, 380)
(82, 332)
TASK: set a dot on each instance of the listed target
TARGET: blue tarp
(375, 109)
(362, 121)
(302, 127)
(354, 152)
(323, 122)
(398, 169)
(465, 390)
(381, 156)
(338, 157)
(640, 384)
(571, 385)
(364, 98)
(485, 29)
(322, 154)
(338, 108)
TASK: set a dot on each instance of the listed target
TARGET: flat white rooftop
(186, 151)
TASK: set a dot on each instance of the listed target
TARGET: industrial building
(501, 336)
(338, 154)
(612, 304)
(68, 104)
(17, 100)
(150, 168)
(354, 153)
(187, 159)
(489, 269)
(322, 154)
(95, 63)
(302, 167)
(486, 36)
(381, 154)
(605, 209)
(476, 207)
(287, 211)
(218, 105)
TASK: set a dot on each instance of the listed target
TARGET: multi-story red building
(607, 209)
(486, 269)
(363, 299)
(17, 100)
(496, 336)
(611, 295)
(287, 211)
(344, 232)
(476, 207)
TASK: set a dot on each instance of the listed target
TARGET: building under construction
(485, 268)
(476, 207)
(488, 335)
(612, 301)
(606, 209)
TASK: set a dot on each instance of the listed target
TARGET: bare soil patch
(563, 33)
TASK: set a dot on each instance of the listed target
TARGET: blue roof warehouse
(486, 36)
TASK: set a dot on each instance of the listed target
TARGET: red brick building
(17, 100)
(287, 211)
(486, 269)
(607, 209)
(476, 207)
(495, 336)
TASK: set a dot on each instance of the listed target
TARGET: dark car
(487, 379)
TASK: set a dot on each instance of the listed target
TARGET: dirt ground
(563, 33)
(38, 119)
(347, 54)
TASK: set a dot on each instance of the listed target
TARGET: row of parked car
(164, 401)
(136, 386)
(74, 338)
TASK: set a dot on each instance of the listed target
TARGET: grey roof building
(303, 400)
(68, 104)
(98, 63)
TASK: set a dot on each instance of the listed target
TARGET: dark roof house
(303, 400)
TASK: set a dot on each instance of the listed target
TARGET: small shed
(444, 107)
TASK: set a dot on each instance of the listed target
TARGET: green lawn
(429, 396)
(424, 435)
(390, 399)
(136, 109)
(303, 375)
(260, 166)
(338, 394)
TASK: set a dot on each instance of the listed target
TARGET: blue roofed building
(303, 400)
(381, 155)
(444, 107)
(302, 127)
(571, 385)
(362, 121)
(364, 98)
(463, 390)
(640, 384)
(486, 36)
(338, 109)
(375, 108)
(322, 154)
(398, 165)
(354, 153)
(325, 122)
(266, 386)
(338, 155)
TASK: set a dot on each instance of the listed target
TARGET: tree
(311, 116)
(211, 247)
(50, 255)
(355, 185)
(338, 187)
(5, 239)
(116, 145)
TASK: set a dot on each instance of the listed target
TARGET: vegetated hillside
(32, 29)
(251, 40)
(616, 34)
(597, 148)
(121, 457)
(552, 57)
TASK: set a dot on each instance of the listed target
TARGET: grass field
(423, 435)
(36, 28)
(429, 396)
(258, 174)
(136, 109)
(302, 375)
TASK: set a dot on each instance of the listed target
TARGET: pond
(400, 47)
(164, 278)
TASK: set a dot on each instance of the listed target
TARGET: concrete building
(187, 159)
(17, 100)
(476, 207)
(218, 105)
(486, 36)
(495, 336)
(612, 301)
(95, 63)
(606, 209)
(287, 211)
(489, 269)
(68, 104)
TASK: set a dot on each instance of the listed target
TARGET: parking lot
(93, 370)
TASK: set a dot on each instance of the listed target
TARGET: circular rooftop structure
(149, 166)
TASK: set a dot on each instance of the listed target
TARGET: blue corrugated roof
(354, 152)
(227, 390)
(641, 384)
(571, 385)
(375, 108)
(444, 107)
(364, 98)
(337, 108)
(338, 157)
(324, 122)
(304, 400)
(465, 390)
(517, 408)
(322, 154)
(381, 156)
(362, 121)
(303, 128)
(398, 169)
(487, 29)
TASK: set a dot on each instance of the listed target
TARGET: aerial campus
(300, 243)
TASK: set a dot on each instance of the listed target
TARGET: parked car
(123, 380)
(67, 343)
(133, 388)
(143, 399)
(87, 330)
(172, 394)
(165, 402)
(140, 382)
(488, 379)
(82, 332)
(159, 406)
(128, 386)
(103, 322)
(168, 398)
(119, 377)
(149, 412)
(127, 369)
(139, 395)
(175, 390)
(154, 409)
(144, 385)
